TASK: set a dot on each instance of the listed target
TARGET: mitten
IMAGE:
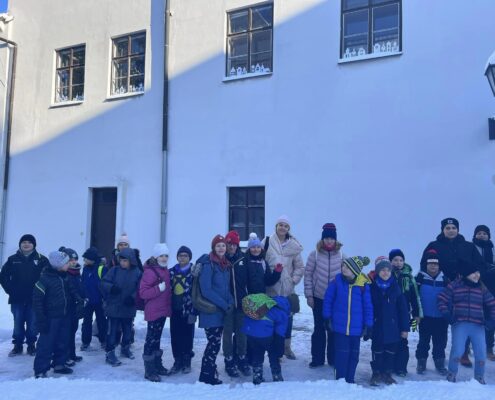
(278, 268)
(162, 286)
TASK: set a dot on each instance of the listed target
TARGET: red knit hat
(233, 238)
(217, 239)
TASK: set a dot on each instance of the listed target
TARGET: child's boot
(440, 366)
(257, 375)
(160, 369)
(150, 369)
(112, 359)
(421, 367)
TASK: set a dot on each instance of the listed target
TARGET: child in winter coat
(183, 315)
(348, 313)
(407, 284)
(265, 325)
(74, 278)
(463, 304)
(391, 322)
(433, 326)
(92, 274)
(259, 273)
(52, 293)
(154, 289)
(119, 286)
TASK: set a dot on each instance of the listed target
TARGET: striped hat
(432, 257)
(356, 264)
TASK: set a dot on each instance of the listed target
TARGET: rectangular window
(69, 79)
(128, 57)
(247, 211)
(370, 27)
(250, 41)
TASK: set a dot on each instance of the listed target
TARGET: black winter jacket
(20, 273)
(53, 295)
(453, 255)
(259, 274)
(127, 280)
(238, 281)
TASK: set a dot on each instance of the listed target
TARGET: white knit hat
(123, 239)
(160, 249)
(283, 219)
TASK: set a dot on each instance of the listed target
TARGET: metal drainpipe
(164, 203)
(6, 139)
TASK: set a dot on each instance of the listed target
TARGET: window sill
(66, 104)
(369, 57)
(123, 96)
(246, 76)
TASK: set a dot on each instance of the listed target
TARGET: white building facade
(369, 114)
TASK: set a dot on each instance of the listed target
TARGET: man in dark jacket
(454, 252)
(18, 276)
(233, 322)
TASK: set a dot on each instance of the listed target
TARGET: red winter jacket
(157, 304)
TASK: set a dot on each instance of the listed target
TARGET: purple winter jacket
(157, 304)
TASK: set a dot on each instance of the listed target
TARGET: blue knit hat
(254, 241)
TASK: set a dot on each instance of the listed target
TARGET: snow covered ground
(93, 379)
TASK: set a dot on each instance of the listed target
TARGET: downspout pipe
(5, 145)
(165, 127)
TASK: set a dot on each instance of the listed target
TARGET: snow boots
(257, 375)
(231, 368)
(277, 375)
(127, 353)
(17, 350)
(160, 369)
(62, 369)
(451, 377)
(186, 364)
(421, 367)
(387, 379)
(209, 376)
(150, 372)
(112, 359)
(440, 366)
(31, 349)
(176, 368)
(288, 351)
(489, 355)
(375, 379)
(243, 366)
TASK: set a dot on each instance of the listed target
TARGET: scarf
(329, 247)
(222, 262)
(486, 249)
(404, 277)
(383, 285)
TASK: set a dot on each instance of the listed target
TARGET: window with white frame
(128, 63)
(250, 41)
(370, 27)
(69, 79)
(247, 211)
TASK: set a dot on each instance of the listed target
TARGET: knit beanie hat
(92, 254)
(432, 257)
(160, 249)
(382, 262)
(329, 231)
(254, 241)
(233, 238)
(123, 239)
(447, 221)
(71, 253)
(394, 253)
(468, 268)
(282, 219)
(482, 228)
(356, 264)
(58, 259)
(184, 249)
(27, 238)
(217, 239)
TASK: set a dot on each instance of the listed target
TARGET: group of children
(387, 303)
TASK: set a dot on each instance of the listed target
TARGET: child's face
(385, 274)
(398, 262)
(482, 235)
(88, 262)
(163, 259)
(347, 272)
(232, 248)
(183, 258)
(474, 277)
(433, 269)
(72, 262)
(255, 251)
(124, 263)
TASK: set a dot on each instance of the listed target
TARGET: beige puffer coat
(321, 268)
(290, 257)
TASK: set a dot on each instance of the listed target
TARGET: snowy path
(93, 379)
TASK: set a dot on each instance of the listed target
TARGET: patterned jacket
(181, 282)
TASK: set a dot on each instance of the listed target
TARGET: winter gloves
(278, 268)
(414, 324)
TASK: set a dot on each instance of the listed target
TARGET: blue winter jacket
(215, 287)
(348, 305)
(91, 277)
(429, 289)
(391, 316)
(275, 321)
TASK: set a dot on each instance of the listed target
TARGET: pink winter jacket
(157, 304)
(321, 268)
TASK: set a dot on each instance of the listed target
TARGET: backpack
(140, 302)
(199, 302)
